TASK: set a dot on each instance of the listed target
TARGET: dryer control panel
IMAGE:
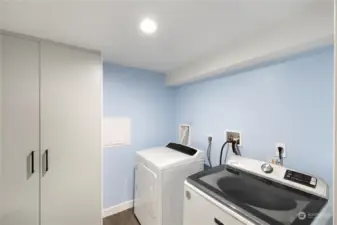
(300, 178)
(182, 148)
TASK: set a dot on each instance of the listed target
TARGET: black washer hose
(235, 150)
(223, 146)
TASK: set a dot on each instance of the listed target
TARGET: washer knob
(267, 168)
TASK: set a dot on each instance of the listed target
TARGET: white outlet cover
(284, 149)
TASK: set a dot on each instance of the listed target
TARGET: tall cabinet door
(19, 172)
(70, 136)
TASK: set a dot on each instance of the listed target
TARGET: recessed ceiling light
(148, 26)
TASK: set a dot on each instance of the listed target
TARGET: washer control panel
(300, 178)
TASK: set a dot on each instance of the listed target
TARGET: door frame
(335, 119)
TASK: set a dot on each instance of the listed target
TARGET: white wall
(313, 31)
(0, 120)
(335, 125)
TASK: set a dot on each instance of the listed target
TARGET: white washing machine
(159, 182)
(251, 192)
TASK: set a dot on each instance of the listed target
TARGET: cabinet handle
(218, 221)
(32, 162)
(30, 165)
(45, 161)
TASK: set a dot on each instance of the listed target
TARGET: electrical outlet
(233, 135)
(282, 145)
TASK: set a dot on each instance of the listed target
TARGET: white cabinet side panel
(19, 132)
(1, 197)
(0, 113)
(71, 131)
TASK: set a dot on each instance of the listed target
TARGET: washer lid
(165, 157)
(259, 199)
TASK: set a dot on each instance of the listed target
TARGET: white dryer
(159, 182)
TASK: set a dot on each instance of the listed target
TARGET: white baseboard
(117, 208)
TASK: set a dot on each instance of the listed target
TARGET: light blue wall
(142, 96)
(289, 102)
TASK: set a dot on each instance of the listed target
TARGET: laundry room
(167, 113)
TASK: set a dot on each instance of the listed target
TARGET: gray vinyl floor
(122, 218)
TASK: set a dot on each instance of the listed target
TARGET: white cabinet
(19, 131)
(50, 110)
(71, 133)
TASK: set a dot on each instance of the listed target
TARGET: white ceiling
(187, 30)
